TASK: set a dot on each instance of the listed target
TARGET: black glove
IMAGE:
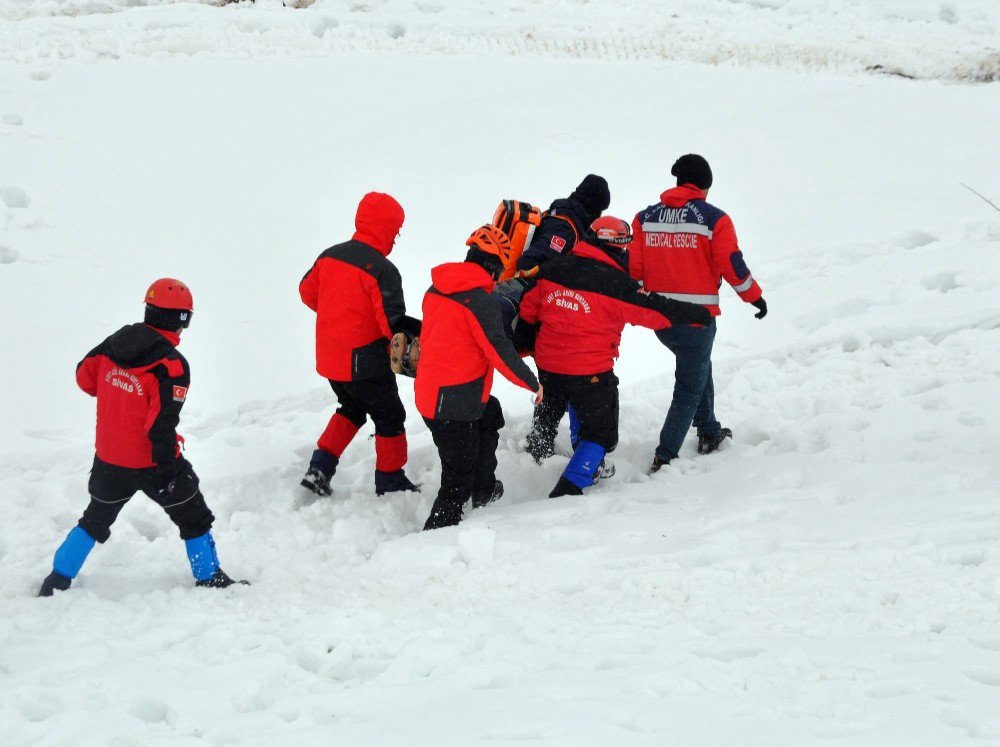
(682, 312)
(178, 482)
(761, 304)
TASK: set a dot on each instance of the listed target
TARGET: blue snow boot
(393, 482)
(68, 561)
(205, 563)
(582, 470)
(321, 468)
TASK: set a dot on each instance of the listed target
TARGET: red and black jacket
(582, 302)
(140, 381)
(461, 343)
(357, 294)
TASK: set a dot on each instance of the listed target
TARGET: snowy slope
(834, 573)
(922, 38)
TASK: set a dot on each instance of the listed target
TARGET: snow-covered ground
(833, 573)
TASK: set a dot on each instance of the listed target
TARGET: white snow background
(832, 574)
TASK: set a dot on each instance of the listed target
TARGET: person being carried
(357, 294)
(463, 341)
(140, 381)
(684, 248)
(582, 302)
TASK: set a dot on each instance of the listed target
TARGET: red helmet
(169, 305)
(167, 293)
(612, 230)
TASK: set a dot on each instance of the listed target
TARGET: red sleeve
(530, 305)
(309, 288)
(86, 375)
(636, 250)
(729, 263)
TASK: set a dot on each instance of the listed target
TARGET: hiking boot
(606, 470)
(482, 498)
(393, 482)
(317, 481)
(657, 463)
(564, 487)
(444, 513)
(220, 580)
(708, 444)
(54, 582)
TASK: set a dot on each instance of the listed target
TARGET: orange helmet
(167, 293)
(169, 304)
(612, 230)
(491, 240)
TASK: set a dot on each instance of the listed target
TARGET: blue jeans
(694, 391)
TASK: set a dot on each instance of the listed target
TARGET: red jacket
(140, 381)
(683, 247)
(461, 343)
(583, 301)
(357, 295)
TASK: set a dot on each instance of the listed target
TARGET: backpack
(518, 220)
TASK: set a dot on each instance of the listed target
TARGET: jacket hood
(378, 221)
(677, 196)
(455, 277)
(130, 345)
(586, 249)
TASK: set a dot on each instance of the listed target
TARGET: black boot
(54, 582)
(444, 513)
(708, 444)
(482, 498)
(322, 467)
(565, 487)
(220, 580)
(393, 482)
(657, 463)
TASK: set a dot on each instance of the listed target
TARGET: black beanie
(489, 262)
(593, 194)
(693, 169)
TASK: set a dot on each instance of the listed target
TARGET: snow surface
(924, 38)
(831, 574)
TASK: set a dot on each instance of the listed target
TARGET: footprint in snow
(8, 255)
(915, 239)
(984, 676)
(14, 120)
(14, 197)
(40, 75)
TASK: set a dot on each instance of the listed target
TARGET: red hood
(456, 277)
(583, 249)
(378, 221)
(677, 196)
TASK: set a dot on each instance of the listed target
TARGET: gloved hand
(761, 304)
(682, 312)
(178, 482)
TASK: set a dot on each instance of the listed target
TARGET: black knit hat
(593, 194)
(693, 169)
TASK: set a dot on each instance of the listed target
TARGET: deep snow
(833, 573)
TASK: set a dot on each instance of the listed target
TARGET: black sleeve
(496, 345)
(390, 285)
(545, 244)
(163, 432)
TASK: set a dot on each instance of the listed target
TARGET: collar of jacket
(677, 196)
(172, 337)
(586, 249)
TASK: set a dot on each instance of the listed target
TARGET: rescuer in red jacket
(683, 248)
(357, 294)
(140, 381)
(582, 302)
(463, 340)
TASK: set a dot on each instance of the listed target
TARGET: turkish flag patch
(557, 244)
(180, 393)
